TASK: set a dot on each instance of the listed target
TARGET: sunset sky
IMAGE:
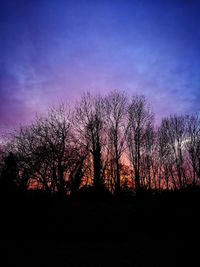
(54, 50)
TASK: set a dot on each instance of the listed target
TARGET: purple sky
(52, 51)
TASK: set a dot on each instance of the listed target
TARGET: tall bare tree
(116, 107)
(139, 119)
(193, 145)
(149, 154)
(175, 134)
(88, 123)
(166, 158)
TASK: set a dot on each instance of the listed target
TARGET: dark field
(150, 230)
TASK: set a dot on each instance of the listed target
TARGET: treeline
(108, 142)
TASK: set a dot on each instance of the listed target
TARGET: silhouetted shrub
(9, 174)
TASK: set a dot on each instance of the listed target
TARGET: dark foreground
(158, 230)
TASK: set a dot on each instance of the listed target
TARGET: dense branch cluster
(109, 141)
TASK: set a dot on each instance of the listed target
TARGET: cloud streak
(51, 51)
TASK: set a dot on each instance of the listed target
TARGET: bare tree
(166, 158)
(2, 155)
(62, 151)
(139, 119)
(26, 146)
(78, 170)
(88, 123)
(193, 145)
(115, 105)
(149, 154)
(175, 134)
(47, 151)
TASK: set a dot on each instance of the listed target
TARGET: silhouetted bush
(9, 174)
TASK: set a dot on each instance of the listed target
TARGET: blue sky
(53, 51)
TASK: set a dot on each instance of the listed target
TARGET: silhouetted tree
(1, 158)
(174, 129)
(77, 172)
(149, 154)
(165, 157)
(88, 123)
(47, 151)
(9, 173)
(63, 151)
(139, 120)
(193, 145)
(32, 154)
(116, 107)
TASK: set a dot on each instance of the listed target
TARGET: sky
(52, 51)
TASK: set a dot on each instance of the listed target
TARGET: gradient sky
(53, 50)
